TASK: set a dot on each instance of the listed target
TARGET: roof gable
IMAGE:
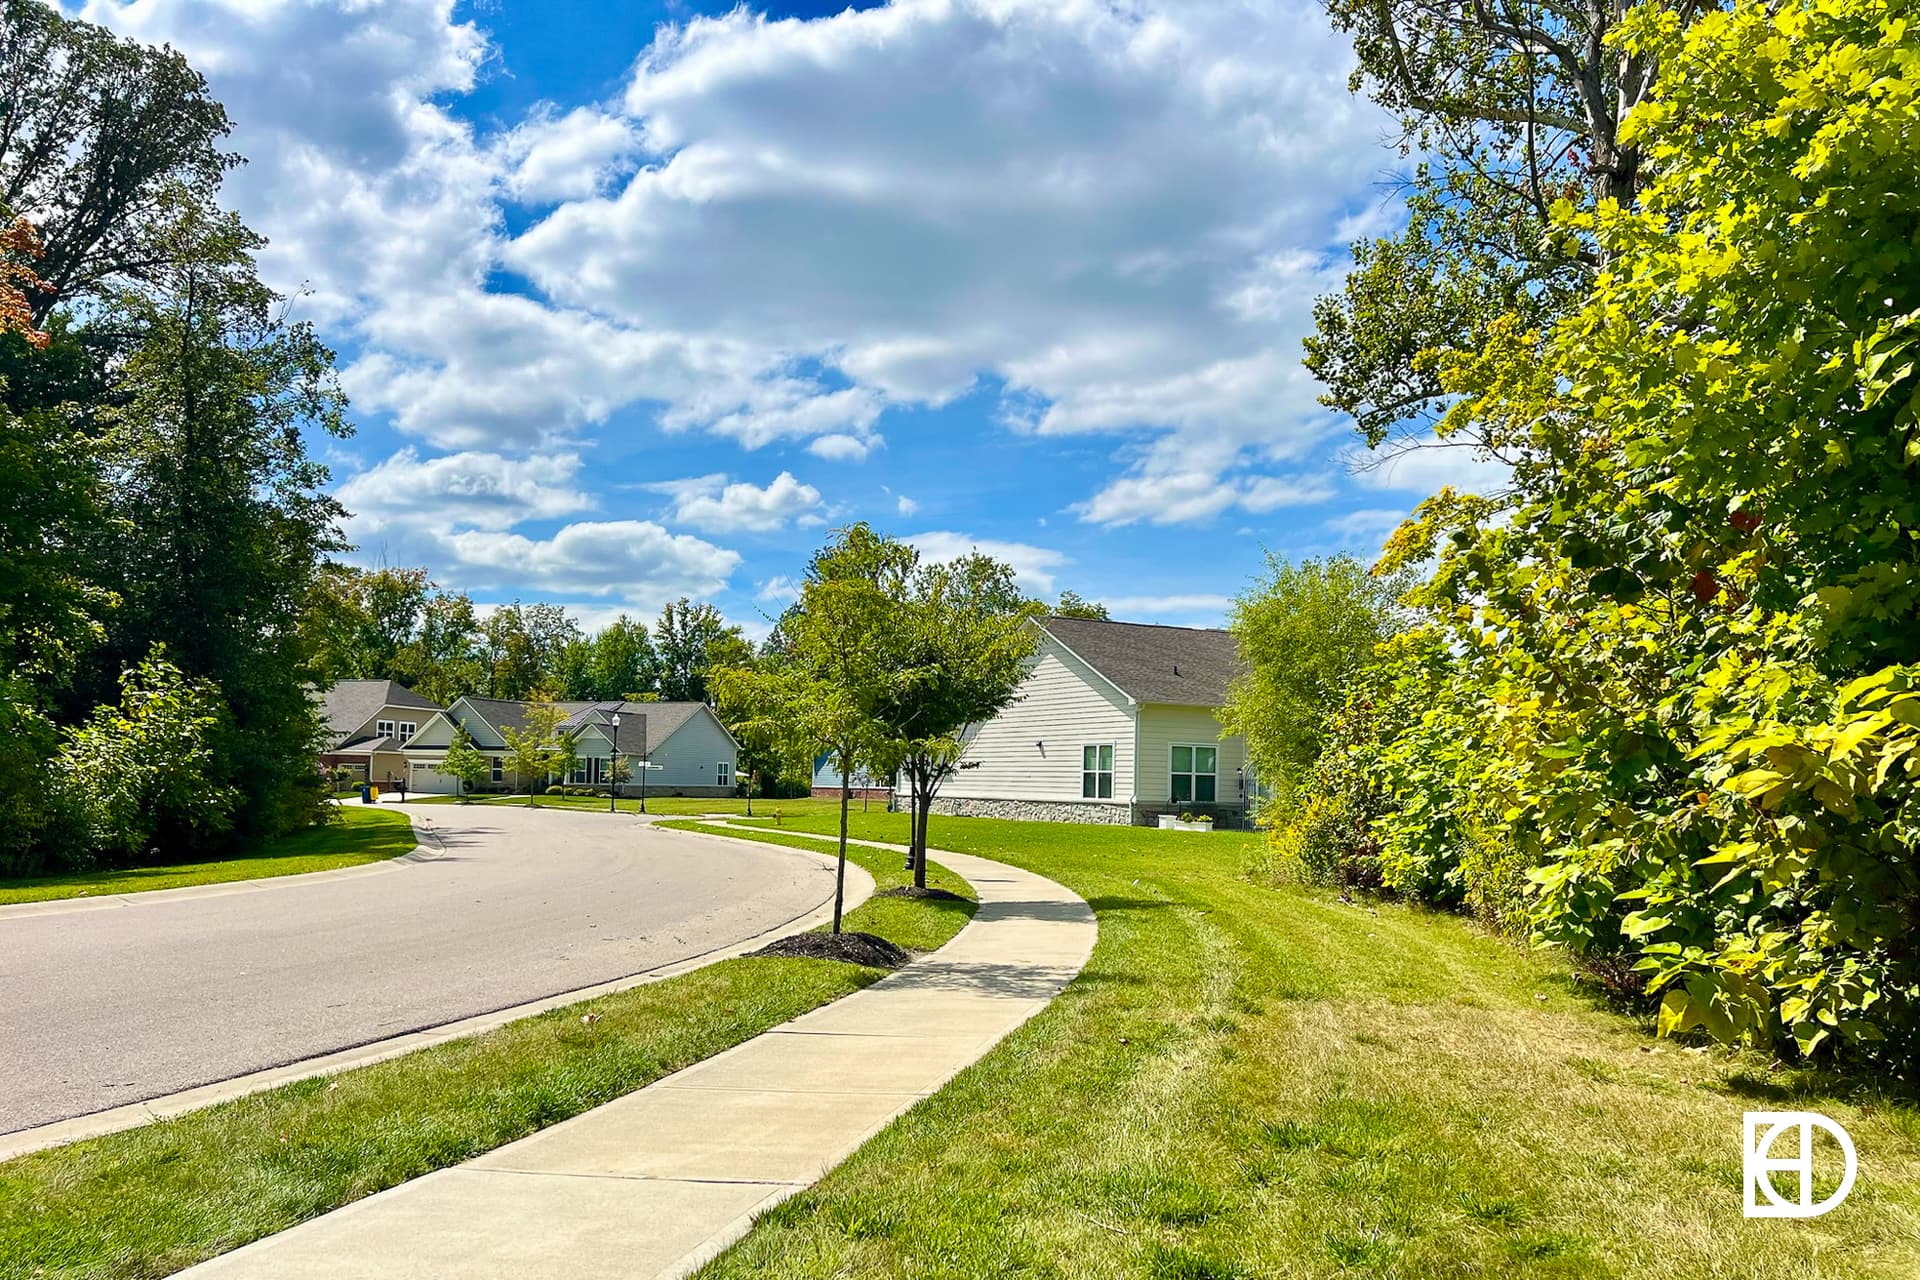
(643, 725)
(1178, 666)
(347, 705)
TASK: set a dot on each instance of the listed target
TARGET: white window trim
(1173, 773)
(383, 727)
(1111, 773)
(723, 774)
(497, 768)
(407, 728)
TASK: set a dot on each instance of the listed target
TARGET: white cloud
(905, 505)
(839, 447)
(366, 188)
(779, 589)
(472, 490)
(1129, 239)
(1187, 496)
(1161, 606)
(1368, 526)
(1424, 465)
(635, 559)
(552, 157)
(1033, 566)
(711, 504)
(1114, 216)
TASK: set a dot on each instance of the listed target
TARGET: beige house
(368, 722)
(1116, 723)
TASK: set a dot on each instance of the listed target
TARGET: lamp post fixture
(613, 766)
(644, 766)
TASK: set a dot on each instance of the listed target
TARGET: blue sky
(636, 301)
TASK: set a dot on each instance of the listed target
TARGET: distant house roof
(1184, 666)
(348, 704)
(643, 725)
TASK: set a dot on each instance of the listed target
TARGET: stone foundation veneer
(1036, 810)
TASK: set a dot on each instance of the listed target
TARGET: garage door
(428, 780)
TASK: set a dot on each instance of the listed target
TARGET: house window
(1194, 773)
(384, 728)
(589, 771)
(724, 774)
(499, 770)
(407, 728)
(1096, 771)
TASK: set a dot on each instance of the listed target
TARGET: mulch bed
(855, 948)
(926, 895)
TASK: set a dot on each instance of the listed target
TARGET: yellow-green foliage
(1679, 653)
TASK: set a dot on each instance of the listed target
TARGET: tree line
(1655, 699)
(163, 520)
(395, 624)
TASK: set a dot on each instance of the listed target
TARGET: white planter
(1172, 822)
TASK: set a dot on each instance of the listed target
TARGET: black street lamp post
(613, 766)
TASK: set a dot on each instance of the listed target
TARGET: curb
(423, 832)
(135, 1114)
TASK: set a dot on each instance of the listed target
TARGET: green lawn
(150, 1201)
(360, 835)
(683, 806)
(1251, 1082)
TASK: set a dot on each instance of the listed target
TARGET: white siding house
(1116, 723)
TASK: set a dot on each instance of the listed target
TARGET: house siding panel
(1064, 705)
(689, 758)
(1163, 726)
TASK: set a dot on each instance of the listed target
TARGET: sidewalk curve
(658, 1182)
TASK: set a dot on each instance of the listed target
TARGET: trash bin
(366, 794)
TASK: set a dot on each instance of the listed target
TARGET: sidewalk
(658, 1182)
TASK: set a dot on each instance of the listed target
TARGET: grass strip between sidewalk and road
(150, 1201)
(1257, 1081)
(355, 837)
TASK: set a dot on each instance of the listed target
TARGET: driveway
(102, 1007)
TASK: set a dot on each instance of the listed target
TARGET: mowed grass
(916, 924)
(148, 1202)
(676, 806)
(358, 835)
(1259, 1082)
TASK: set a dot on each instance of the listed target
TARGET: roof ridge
(1122, 622)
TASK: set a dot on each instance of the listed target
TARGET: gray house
(1117, 723)
(690, 752)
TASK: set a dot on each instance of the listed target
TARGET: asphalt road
(104, 1007)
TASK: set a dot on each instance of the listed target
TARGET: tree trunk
(922, 807)
(840, 870)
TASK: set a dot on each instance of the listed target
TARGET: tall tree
(1305, 632)
(691, 640)
(208, 447)
(101, 141)
(522, 645)
(1073, 606)
(1515, 106)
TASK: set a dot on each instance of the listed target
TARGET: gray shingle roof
(1181, 666)
(641, 723)
(348, 704)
